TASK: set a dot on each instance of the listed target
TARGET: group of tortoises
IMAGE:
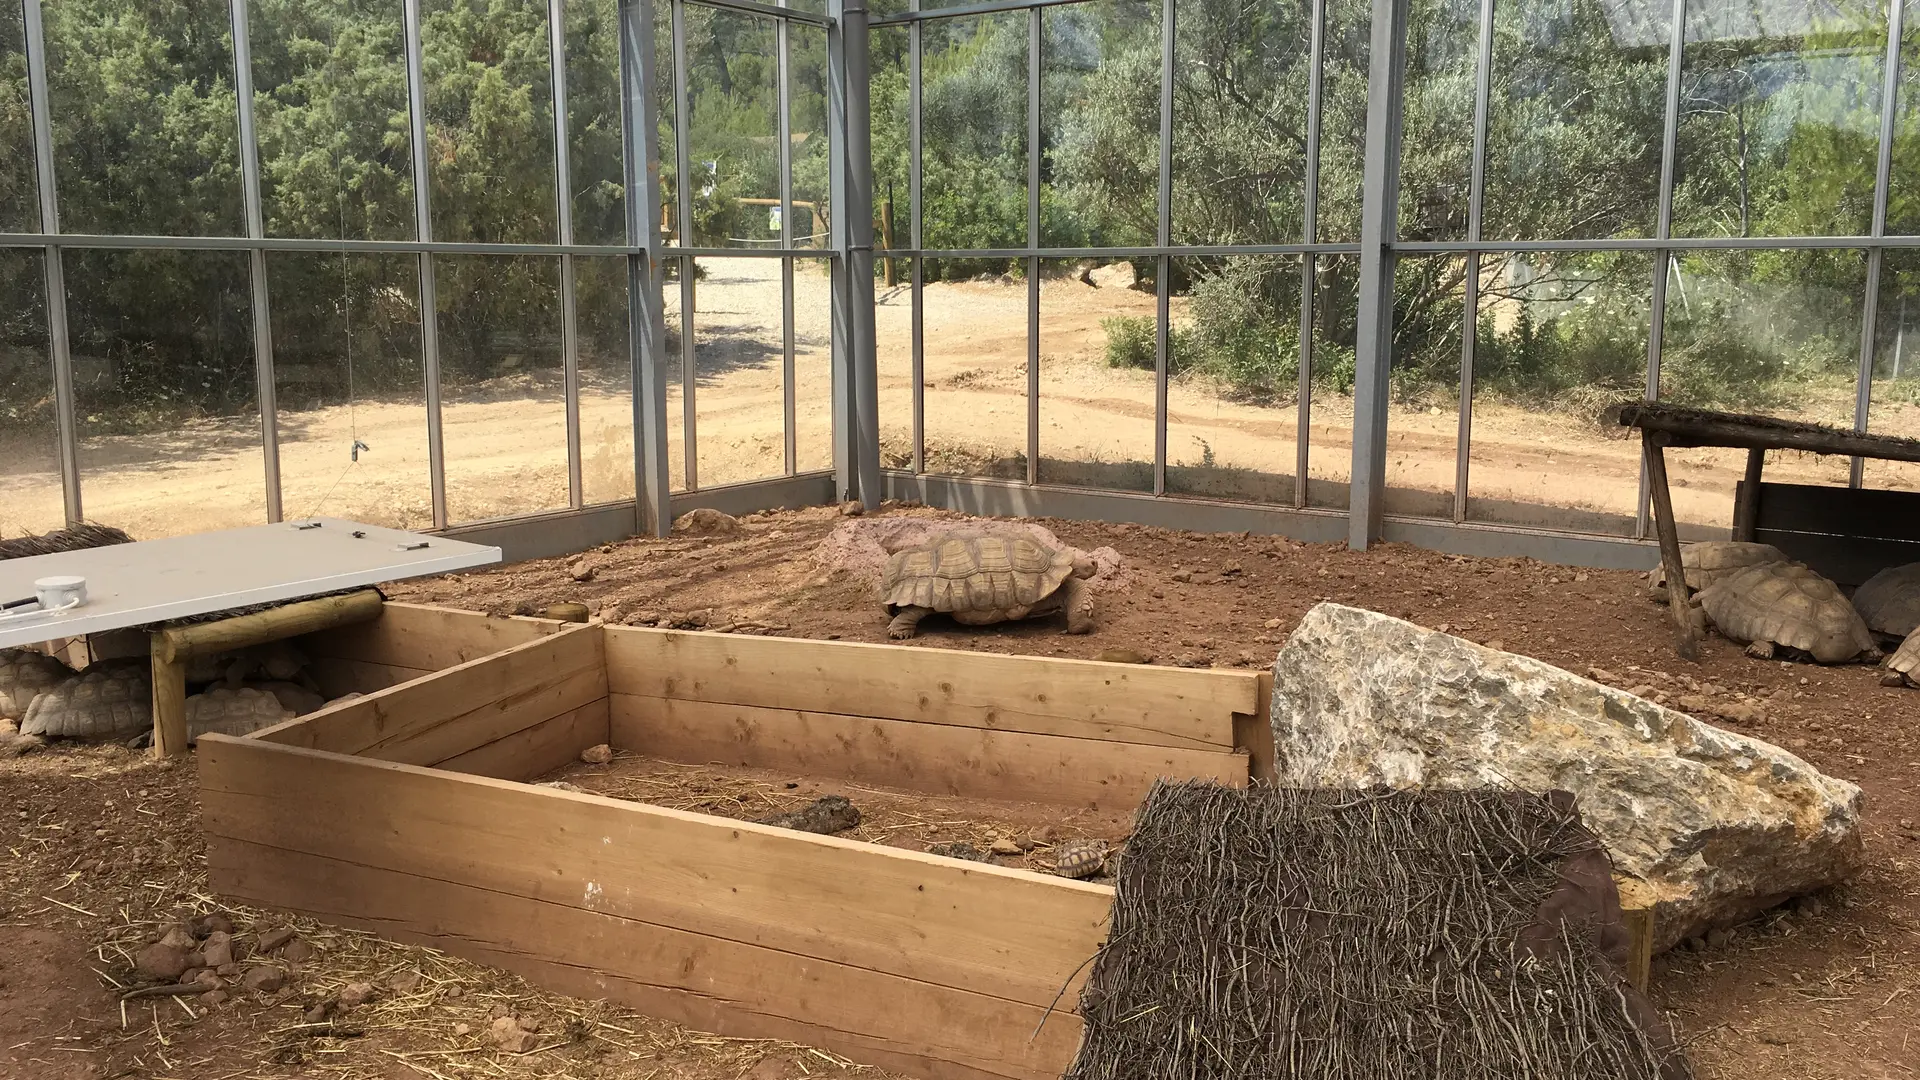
(1753, 593)
(112, 700)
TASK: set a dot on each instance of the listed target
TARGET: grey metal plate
(155, 580)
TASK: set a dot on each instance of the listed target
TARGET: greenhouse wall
(1323, 267)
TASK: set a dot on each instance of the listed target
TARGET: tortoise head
(1083, 565)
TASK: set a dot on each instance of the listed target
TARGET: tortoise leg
(1760, 650)
(904, 623)
(1077, 601)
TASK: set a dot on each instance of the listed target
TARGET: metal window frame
(646, 267)
(52, 264)
(265, 393)
(563, 207)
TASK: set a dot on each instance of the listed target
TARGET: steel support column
(1470, 309)
(563, 199)
(53, 267)
(1870, 305)
(256, 258)
(1309, 230)
(423, 231)
(646, 311)
(1379, 226)
(1163, 265)
(1662, 230)
(857, 212)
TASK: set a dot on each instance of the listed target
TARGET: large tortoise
(986, 579)
(24, 674)
(109, 700)
(1903, 667)
(1890, 600)
(1786, 604)
(229, 710)
(1705, 562)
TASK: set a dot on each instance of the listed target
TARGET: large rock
(1705, 826)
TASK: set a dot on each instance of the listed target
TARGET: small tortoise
(1785, 604)
(24, 673)
(1903, 667)
(1708, 561)
(109, 700)
(233, 711)
(1080, 858)
(1890, 600)
(986, 579)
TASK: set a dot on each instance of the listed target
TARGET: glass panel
(1336, 300)
(144, 123)
(1575, 119)
(1903, 190)
(490, 120)
(973, 157)
(1895, 408)
(1239, 122)
(1096, 380)
(1343, 119)
(675, 372)
(739, 359)
(1234, 355)
(813, 364)
(330, 109)
(807, 95)
(1424, 386)
(1100, 124)
(606, 379)
(593, 126)
(893, 338)
(31, 498)
(1766, 331)
(1560, 337)
(975, 373)
(502, 409)
(733, 94)
(164, 387)
(19, 189)
(1436, 145)
(1779, 118)
(889, 55)
(348, 385)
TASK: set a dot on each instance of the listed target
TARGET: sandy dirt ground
(106, 847)
(506, 438)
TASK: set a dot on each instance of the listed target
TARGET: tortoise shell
(24, 673)
(112, 700)
(1904, 664)
(1890, 600)
(976, 579)
(233, 711)
(1788, 604)
(1709, 560)
(1080, 858)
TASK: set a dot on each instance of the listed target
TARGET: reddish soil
(108, 847)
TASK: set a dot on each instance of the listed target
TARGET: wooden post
(172, 648)
(169, 703)
(1669, 533)
(1639, 923)
(1746, 509)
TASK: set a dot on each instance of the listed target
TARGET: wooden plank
(169, 685)
(1746, 507)
(1007, 933)
(1663, 525)
(710, 984)
(450, 712)
(935, 758)
(1083, 699)
(1254, 734)
(1683, 426)
(336, 676)
(539, 749)
(1639, 924)
(424, 636)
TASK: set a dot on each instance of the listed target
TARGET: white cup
(57, 593)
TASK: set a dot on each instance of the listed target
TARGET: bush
(1130, 341)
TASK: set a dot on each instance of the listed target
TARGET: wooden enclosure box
(402, 812)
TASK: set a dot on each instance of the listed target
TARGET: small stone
(1641, 691)
(456, 992)
(1718, 937)
(1602, 675)
(217, 924)
(852, 508)
(1003, 846)
(1181, 576)
(498, 1011)
(507, 1034)
(264, 979)
(597, 755)
(214, 997)
(179, 937)
(274, 939)
(1496, 645)
(462, 1029)
(406, 982)
(319, 1013)
(228, 971)
(218, 949)
(1771, 1039)
(1273, 624)
(356, 993)
(957, 849)
(583, 571)
(160, 962)
(297, 951)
